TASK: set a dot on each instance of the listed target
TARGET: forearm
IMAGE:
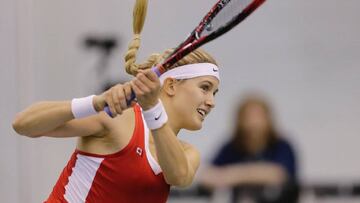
(172, 158)
(42, 117)
(257, 173)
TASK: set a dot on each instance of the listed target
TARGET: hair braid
(139, 15)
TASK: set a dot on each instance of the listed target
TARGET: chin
(194, 126)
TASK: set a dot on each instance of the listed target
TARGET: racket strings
(226, 15)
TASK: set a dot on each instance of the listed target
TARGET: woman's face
(194, 99)
(255, 120)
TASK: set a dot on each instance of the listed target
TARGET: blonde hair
(139, 14)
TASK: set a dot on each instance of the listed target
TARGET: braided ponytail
(139, 15)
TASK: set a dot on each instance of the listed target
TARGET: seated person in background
(256, 155)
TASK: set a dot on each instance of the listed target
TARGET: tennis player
(134, 156)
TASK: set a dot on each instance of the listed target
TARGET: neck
(172, 121)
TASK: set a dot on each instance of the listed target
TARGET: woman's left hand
(146, 86)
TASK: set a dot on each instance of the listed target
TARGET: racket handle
(158, 70)
(128, 102)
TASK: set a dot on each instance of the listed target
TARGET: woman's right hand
(115, 98)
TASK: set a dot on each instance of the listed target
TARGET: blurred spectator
(257, 163)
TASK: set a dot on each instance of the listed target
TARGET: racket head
(221, 18)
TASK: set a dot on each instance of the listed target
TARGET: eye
(205, 87)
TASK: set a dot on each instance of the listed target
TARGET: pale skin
(185, 103)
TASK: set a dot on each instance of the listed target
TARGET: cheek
(187, 101)
(182, 103)
(190, 95)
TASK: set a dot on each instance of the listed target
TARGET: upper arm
(193, 157)
(96, 125)
(92, 125)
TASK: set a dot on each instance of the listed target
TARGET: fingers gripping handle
(156, 70)
(128, 102)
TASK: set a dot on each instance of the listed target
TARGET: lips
(202, 112)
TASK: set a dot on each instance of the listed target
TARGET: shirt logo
(139, 151)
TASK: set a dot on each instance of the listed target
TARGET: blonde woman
(134, 156)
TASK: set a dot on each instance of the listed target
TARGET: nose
(210, 101)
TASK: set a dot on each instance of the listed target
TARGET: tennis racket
(221, 18)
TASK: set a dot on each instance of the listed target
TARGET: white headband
(191, 71)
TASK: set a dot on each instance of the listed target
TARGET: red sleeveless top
(129, 176)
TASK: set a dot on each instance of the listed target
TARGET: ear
(169, 86)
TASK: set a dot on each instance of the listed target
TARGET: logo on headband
(215, 70)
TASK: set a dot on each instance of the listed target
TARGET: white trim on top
(151, 160)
